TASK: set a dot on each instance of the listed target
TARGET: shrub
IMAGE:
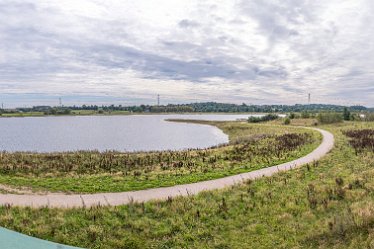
(330, 118)
(361, 139)
(265, 118)
(287, 121)
(369, 117)
(305, 114)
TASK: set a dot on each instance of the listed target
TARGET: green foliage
(192, 107)
(305, 114)
(57, 111)
(329, 118)
(265, 118)
(287, 121)
(171, 108)
(369, 117)
(346, 114)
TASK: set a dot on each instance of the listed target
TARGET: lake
(120, 133)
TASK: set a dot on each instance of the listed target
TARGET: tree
(346, 114)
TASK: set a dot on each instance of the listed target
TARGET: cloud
(234, 51)
(188, 24)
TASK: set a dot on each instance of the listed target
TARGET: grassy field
(21, 114)
(251, 147)
(328, 204)
(72, 113)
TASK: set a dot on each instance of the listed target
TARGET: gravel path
(113, 199)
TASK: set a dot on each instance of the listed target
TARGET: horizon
(166, 104)
(187, 51)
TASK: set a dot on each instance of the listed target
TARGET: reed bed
(251, 147)
(361, 140)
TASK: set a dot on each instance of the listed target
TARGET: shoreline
(138, 114)
(163, 193)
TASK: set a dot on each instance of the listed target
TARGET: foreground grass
(329, 204)
(251, 147)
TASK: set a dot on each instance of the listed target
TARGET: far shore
(25, 115)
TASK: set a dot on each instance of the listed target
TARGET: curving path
(114, 199)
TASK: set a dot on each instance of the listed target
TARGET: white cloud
(235, 51)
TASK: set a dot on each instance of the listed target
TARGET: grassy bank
(71, 113)
(328, 204)
(251, 147)
(19, 114)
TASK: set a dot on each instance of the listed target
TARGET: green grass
(22, 114)
(251, 147)
(329, 204)
(73, 113)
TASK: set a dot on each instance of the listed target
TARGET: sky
(127, 52)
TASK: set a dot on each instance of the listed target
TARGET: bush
(287, 121)
(265, 118)
(305, 114)
(369, 117)
(329, 118)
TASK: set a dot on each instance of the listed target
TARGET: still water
(120, 133)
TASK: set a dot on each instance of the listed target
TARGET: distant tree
(53, 111)
(66, 111)
(265, 118)
(346, 114)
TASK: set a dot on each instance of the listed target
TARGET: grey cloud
(188, 24)
(262, 48)
(273, 17)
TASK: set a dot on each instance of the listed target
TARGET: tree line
(195, 107)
